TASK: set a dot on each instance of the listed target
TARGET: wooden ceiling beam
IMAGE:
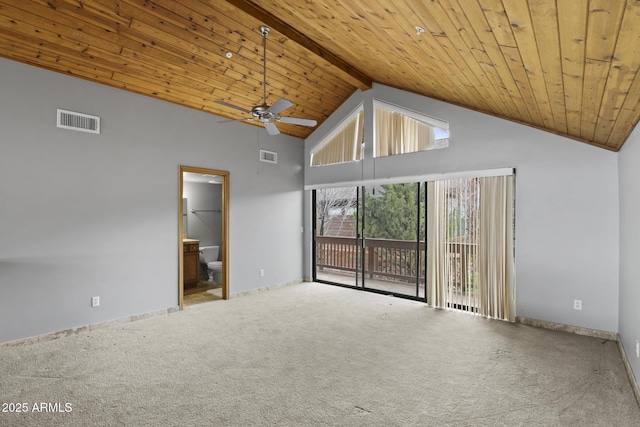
(360, 79)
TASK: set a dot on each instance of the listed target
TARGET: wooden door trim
(224, 252)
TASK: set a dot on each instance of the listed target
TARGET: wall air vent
(78, 121)
(268, 156)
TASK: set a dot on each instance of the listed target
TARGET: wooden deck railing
(384, 259)
(395, 260)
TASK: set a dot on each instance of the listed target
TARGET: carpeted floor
(312, 354)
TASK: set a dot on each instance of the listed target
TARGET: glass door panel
(336, 248)
(392, 258)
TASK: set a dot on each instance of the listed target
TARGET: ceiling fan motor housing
(262, 113)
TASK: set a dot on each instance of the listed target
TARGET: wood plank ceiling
(566, 66)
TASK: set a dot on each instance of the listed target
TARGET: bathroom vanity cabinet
(191, 262)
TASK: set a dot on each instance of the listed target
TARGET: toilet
(214, 267)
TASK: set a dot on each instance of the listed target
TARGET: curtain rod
(416, 178)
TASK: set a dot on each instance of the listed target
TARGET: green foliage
(391, 213)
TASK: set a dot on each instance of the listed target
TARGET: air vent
(268, 156)
(78, 121)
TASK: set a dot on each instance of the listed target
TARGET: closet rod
(205, 210)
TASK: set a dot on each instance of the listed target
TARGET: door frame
(224, 252)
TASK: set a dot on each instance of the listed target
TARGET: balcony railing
(394, 260)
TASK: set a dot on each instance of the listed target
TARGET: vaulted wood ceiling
(566, 66)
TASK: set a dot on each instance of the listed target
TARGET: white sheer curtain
(344, 146)
(437, 277)
(470, 246)
(495, 248)
(400, 134)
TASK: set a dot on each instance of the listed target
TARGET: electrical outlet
(95, 301)
(637, 349)
(302, 229)
(261, 273)
(577, 304)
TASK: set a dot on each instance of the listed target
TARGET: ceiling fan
(263, 113)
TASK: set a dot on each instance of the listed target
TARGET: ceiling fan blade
(236, 120)
(297, 121)
(226, 104)
(271, 128)
(280, 105)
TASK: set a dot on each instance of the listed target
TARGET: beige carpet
(313, 354)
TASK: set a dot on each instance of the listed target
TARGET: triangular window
(342, 145)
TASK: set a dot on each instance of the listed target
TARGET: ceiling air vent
(268, 156)
(78, 121)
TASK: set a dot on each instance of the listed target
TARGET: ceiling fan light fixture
(419, 29)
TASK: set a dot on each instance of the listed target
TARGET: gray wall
(204, 226)
(629, 158)
(97, 215)
(567, 235)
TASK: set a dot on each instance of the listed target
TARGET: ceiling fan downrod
(264, 30)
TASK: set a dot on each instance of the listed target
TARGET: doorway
(203, 230)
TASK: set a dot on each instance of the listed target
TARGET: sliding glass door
(372, 237)
(375, 238)
(393, 232)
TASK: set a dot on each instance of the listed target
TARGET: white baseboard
(266, 288)
(92, 327)
(578, 330)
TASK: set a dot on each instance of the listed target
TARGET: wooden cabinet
(191, 263)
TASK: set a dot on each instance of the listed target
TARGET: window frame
(335, 131)
(431, 121)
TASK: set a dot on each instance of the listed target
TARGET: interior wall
(88, 215)
(629, 157)
(566, 203)
(204, 226)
